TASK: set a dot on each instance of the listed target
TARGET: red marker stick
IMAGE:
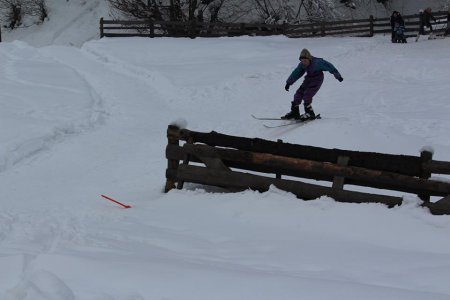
(110, 199)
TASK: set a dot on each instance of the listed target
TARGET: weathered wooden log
(437, 167)
(338, 181)
(425, 156)
(372, 178)
(173, 140)
(179, 153)
(441, 207)
(402, 164)
(233, 179)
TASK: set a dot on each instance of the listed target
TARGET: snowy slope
(79, 122)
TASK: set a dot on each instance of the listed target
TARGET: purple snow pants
(307, 90)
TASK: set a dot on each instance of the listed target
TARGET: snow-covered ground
(79, 122)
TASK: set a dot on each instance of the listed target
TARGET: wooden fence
(361, 27)
(215, 159)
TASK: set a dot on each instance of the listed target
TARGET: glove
(340, 79)
(286, 87)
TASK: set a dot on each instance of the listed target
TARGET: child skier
(313, 67)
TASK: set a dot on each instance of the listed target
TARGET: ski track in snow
(25, 150)
(90, 6)
(39, 235)
(151, 78)
(238, 88)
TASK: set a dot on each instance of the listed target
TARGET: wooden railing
(360, 27)
(213, 159)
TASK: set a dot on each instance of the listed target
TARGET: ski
(437, 37)
(430, 37)
(417, 37)
(276, 119)
(266, 119)
(292, 122)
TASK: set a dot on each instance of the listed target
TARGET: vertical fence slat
(221, 161)
(172, 164)
(102, 34)
(425, 156)
(371, 33)
(278, 175)
(338, 181)
(152, 29)
(185, 162)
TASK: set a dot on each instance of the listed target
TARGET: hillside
(77, 21)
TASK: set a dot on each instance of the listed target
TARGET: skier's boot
(309, 113)
(293, 114)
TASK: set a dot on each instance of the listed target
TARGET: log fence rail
(358, 27)
(219, 160)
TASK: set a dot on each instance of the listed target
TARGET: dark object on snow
(224, 161)
(398, 28)
(425, 18)
(399, 35)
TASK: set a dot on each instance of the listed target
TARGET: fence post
(425, 156)
(192, 29)
(338, 181)
(172, 164)
(242, 29)
(371, 30)
(278, 175)
(283, 28)
(152, 28)
(322, 29)
(101, 29)
(185, 162)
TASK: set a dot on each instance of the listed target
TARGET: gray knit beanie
(305, 54)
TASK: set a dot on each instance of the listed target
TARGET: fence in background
(361, 27)
(218, 160)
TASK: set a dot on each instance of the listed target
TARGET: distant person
(427, 17)
(397, 28)
(448, 22)
(313, 67)
(421, 23)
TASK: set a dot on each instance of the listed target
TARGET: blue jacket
(314, 72)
